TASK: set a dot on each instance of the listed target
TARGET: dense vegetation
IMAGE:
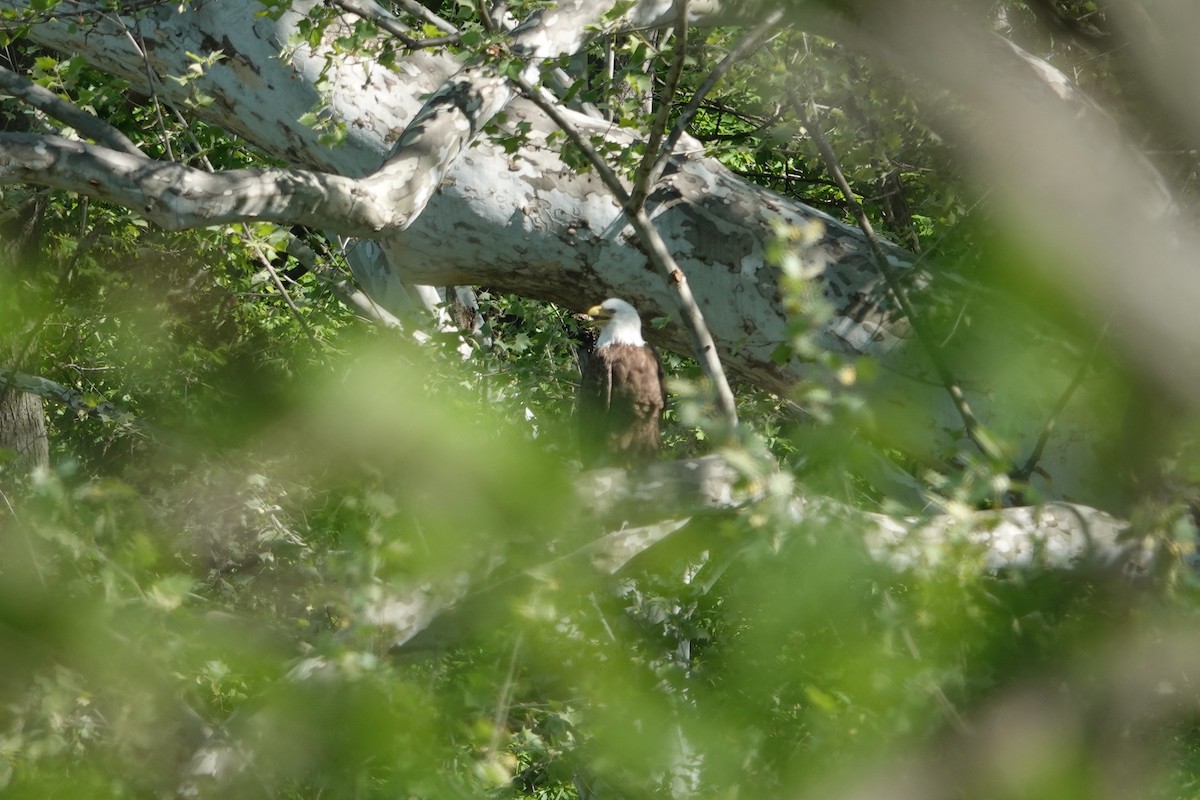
(195, 598)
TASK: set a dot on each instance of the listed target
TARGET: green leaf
(640, 81)
(168, 593)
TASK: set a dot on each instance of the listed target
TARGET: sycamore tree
(369, 129)
(296, 280)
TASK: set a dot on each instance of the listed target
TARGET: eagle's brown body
(622, 393)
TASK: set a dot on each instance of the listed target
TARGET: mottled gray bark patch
(23, 430)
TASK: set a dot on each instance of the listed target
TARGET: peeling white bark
(178, 197)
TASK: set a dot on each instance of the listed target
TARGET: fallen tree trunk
(635, 512)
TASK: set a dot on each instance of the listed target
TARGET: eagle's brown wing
(621, 399)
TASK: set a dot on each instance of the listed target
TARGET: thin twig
(485, 16)
(287, 298)
(139, 45)
(752, 39)
(25, 534)
(383, 19)
(974, 429)
(67, 113)
(421, 12)
(349, 294)
(1026, 470)
(72, 399)
(703, 346)
(643, 177)
(610, 71)
(262, 257)
(504, 699)
(151, 86)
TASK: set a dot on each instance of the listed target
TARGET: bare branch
(752, 39)
(485, 16)
(1085, 366)
(265, 260)
(70, 114)
(703, 346)
(643, 178)
(349, 294)
(386, 21)
(973, 428)
(421, 12)
(152, 80)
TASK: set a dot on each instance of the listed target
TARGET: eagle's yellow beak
(598, 312)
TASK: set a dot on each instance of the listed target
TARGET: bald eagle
(622, 393)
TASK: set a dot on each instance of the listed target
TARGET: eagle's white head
(620, 323)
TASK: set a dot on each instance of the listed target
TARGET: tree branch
(641, 510)
(279, 287)
(1026, 470)
(421, 12)
(386, 21)
(703, 346)
(350, 295)
(973, 428)
(71, 398)
(178, 197)
(644, 176)
(752, 39)
(47, 101)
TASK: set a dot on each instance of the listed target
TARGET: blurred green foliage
(208, 606)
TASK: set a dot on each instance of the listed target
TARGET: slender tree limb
(70, 114)
(421, 12)
(643, 177)
(750, 40)
(654, 162)
(350, 295)
(386, 21)
(1085, 366)
(383, 19)
(283, 292)
(485, 17)
(152, 82)
(972, 425)
(703, 346)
